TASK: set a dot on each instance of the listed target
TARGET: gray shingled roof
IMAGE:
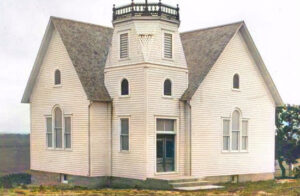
(202, 48)
(88, 47)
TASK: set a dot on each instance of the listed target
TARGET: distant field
(14, 153)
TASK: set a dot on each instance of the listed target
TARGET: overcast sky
(273, 24)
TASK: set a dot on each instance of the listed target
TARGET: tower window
(167, 87)
(57, 77)
(236, 81)
(168, 46)
(124, 87)
(124, 45)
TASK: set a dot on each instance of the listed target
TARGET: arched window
(58, 127)
(235, 130)
(236, 81)
(57, 77)
(167, 87)
(124, 87)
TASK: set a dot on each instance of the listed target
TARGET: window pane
(124, 87)
(236, 121)
(68, 140)
(58, 118)
(226, 143)
(169, 125)
(124, 126)
(235, 140)
(124, 45)
(170, 148)
(57, 77)
(124, 143)
(245, 128)
(226, 127)
(160, 126)
(49, 140)
(168, 47)
(236, 81)
(245, 143)
(58, 138)
(168, 88)
(67, 124)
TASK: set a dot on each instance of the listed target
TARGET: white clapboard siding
(215, 99)
(100, 139)
(72, 99)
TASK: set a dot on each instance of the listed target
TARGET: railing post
(159, 8)
(132, 8)
(114, 12)
(177, 15)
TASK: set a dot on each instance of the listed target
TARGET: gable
(203, 48)
(87, 46)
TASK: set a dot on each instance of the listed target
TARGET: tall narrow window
(124, 138)
(57, 77)
(235, 130)
(226, 134)
(49, 132)
(124, 87)
(236, 81)
(58, 127)
(124, 45)
(168, 87)
(245, 135)
(168, 45)
(67, 132)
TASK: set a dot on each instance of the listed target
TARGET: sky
(273, 24)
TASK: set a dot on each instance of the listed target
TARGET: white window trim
(120, 88)
(230, 134)
(48, 116)
(163, 88)
(120, 131)
(63, 148)
(57, 85)
(176, 148)
(119, 45)
(163, 44)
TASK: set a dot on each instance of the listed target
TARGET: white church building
(144, 105)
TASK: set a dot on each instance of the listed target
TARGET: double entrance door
(165, 153)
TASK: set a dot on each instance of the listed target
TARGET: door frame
(176, 146)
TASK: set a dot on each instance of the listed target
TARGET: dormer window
(167, 87)
(168, 46)
(236, 81)
(57, 77)
(124, 45)
(124, 87)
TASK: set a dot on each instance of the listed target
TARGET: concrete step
(196, 188)
(189, 183)
(183, 180)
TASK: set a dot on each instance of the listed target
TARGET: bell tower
(146, 74)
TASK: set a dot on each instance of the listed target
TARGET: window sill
(124, 151)
(124, 96)
(57, 86)
(124, 59)
(167, 97)
(236, 90)
(60, 149)
(234, 152)
(168, 59)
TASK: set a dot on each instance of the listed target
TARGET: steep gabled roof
(87, 46)
(203, 47)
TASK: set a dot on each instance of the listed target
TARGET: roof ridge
(213, 27)
(81, 22)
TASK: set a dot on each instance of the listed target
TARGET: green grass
(276, 187)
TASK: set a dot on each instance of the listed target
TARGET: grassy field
(277, 187)
(14, 153)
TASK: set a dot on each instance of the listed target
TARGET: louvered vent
(124, 45)
(168, 46)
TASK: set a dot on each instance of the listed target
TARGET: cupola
(142, 11)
